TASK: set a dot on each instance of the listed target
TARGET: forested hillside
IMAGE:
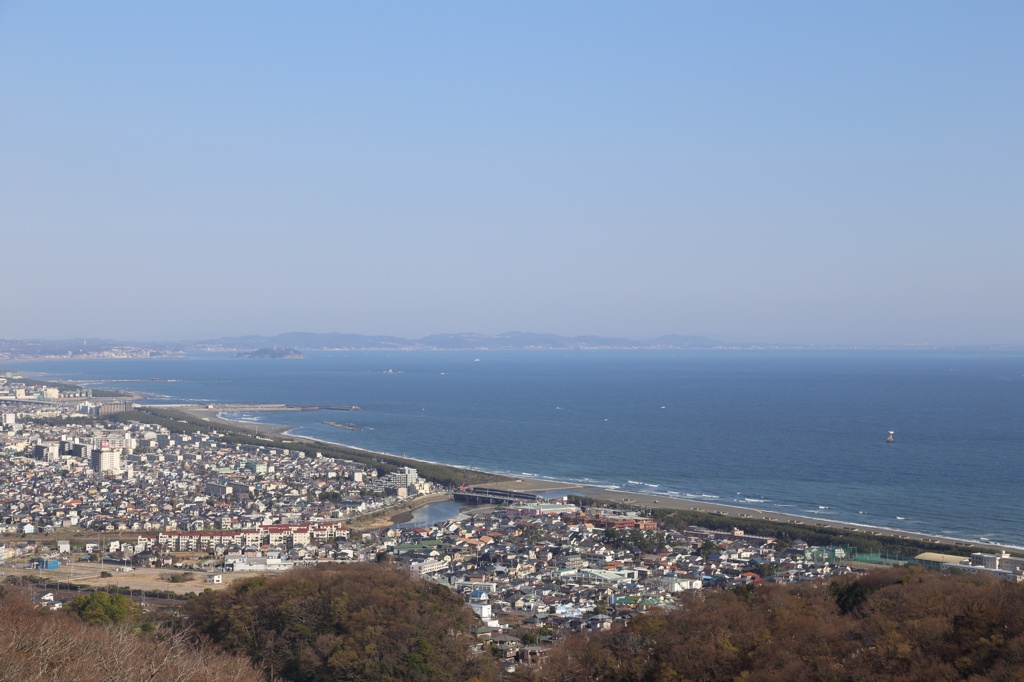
(38, 644)
(345, 622)
(886, 625)
(372, 622)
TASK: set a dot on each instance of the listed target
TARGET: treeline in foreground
(376, 622)
(337, 622)
(345, 622)
(100, 642)
(370, 622)
(892, 624)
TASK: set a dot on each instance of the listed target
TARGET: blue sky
(794, 172)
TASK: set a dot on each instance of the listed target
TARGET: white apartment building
(105, 461)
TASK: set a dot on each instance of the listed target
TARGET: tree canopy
(345, 622)
(885, 625)
(38, 644)
(104, 607)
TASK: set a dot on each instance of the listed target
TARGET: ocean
(800, 432)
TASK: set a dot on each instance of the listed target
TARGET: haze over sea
(801, 432)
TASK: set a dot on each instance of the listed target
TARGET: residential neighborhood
(178, 492)
(137, 495)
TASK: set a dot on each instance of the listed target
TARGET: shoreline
(382, 453)
(213, 416)
(741, 513)
(653, 501)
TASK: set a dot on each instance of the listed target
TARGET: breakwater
(257, 407)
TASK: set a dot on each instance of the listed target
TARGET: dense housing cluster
(179, 491)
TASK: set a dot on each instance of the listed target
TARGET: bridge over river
(480, 495)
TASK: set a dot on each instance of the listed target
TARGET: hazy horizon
(500, 341)
(796, 173)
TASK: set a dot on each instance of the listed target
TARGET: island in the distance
(272, 353)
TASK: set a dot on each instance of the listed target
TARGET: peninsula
(272, 354)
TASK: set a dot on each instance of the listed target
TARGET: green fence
(886, 559)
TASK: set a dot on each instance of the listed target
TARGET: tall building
(47, 452)
(405, 476)
(106, 461)
(107, 409)
(112, 440)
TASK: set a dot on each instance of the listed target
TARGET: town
(85, 497)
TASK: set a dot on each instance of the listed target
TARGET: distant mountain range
(291, 344)
(271, 354)
(294, 342)
(507, 341)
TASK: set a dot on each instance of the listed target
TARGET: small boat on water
(890, 438)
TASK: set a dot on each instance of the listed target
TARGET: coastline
(653, 501)
(740, 513)
(381, 453)
(541, 485)
(214, 417)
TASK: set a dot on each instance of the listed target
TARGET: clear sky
(795, 171)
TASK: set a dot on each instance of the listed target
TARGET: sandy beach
(739, 513)
(213, 416)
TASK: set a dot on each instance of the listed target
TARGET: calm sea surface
(797, 431)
